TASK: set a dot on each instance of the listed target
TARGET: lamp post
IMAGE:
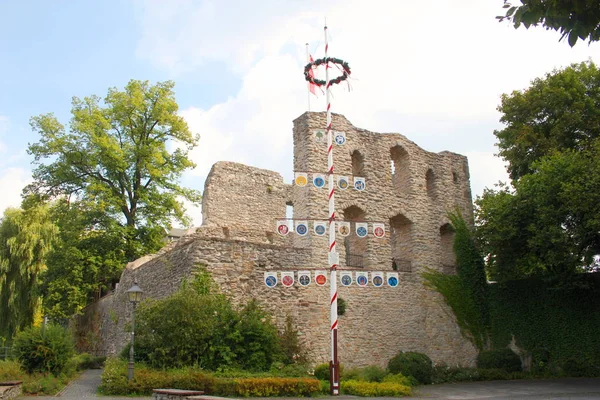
(134, 294)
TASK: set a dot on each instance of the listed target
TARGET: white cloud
(12, 182)
(427, 61)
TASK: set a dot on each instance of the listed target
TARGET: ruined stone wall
(378, 322)
(412, 206)
(237, 243)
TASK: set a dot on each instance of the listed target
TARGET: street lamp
(134, 294)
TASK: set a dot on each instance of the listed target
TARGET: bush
(204, 329)
(417, 365)
(373, 389)
(114, 382)
(371, 373)
(504, 359)
(580, 368)
(44, 349)
(401, 379)
(322, 372)
(10, 370)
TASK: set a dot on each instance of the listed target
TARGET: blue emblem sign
(271, 281)
(340, 138)
(304, 279)
(320, 229)
(361, 231)
(362, 280)
(392, 281)
(319, 181)
(377, 281)
(301, 229)
(346, 280)
(359, 183)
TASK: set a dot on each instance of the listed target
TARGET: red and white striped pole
(333, 259)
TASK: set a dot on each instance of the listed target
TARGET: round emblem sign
(346, 280)
(362, 280)
(319, 182)
(393, 281)
(301, 229)
(379, 232)
(271, 281)
(321, 280)
(340, 139)
(320, 229)
(301, 180)
(361, 231)
(343, 184)
(283, 229)
(359, 185)
(304, 280)
(377, 281)
(287, 281)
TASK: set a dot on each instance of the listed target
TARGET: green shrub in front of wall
(417, 365)
(551, 324)
(503, 359)
(374, 389)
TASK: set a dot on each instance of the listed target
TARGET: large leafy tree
(85, 262)
(117, 155)
(574, 19)
(547, 223)
(558, 112)
(26, 238)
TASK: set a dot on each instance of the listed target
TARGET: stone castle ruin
(407, 187)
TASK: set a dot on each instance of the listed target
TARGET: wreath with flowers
(342, 65)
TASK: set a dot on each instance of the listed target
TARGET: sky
(432, 70)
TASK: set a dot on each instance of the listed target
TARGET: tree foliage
(26, 237)
(574, 19)
(204, 329)
(557, 112)
(116, 155)
(85, 262)
(547, 223)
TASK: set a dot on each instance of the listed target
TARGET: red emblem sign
(321, 279)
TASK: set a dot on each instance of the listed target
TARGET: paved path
(566, 388)
(84, 388)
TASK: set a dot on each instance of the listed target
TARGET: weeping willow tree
(26, 237)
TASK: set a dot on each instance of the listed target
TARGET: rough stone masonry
(407, 188)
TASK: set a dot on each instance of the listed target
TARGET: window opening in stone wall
(455, 177)
(401, 241)
(430, 182)
(355, 247)
(226, 232)
(400, 168)
(289, 214)
(358, 163)
(448, 257)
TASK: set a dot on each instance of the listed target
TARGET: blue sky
(432, 70)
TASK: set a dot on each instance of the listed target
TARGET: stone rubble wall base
(10, 390)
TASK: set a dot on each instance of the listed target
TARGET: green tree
(557, 112)
(574, 19)
(116, 155)
(547, 224)
(85, 262)
(26, 237)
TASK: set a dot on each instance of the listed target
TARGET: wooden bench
(174, 394)
(10, 390)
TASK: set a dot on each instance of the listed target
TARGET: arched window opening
(430, 180)
(400, 168)
(401, 241)
(355, 247)
(448, 257)
(289, 214)
(358, 163)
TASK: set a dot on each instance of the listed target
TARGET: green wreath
(345, 68)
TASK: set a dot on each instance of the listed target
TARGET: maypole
(333, 259)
